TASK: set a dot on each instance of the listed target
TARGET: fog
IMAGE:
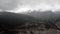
(8, 4)
(25, 5)
(43, 5)
(29, 16)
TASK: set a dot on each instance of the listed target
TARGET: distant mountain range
(45, 14)
(11, 20)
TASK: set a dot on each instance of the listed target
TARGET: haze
(25, 5)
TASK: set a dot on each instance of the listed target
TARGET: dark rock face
(10, 20)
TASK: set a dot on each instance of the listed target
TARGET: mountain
(43, 15)
(11, 20)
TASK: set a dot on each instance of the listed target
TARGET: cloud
(41, 4)
(25, 5)
(8, 4)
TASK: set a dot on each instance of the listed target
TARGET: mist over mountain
(12, 20)
(46, 15)
(16, 19)
(29, 16)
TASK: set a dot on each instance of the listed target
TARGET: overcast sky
(8, 4)
(24, 5)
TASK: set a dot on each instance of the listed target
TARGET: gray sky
(24, 5)
(8, 4)
(38, 4)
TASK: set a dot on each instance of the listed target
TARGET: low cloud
(8, 4)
